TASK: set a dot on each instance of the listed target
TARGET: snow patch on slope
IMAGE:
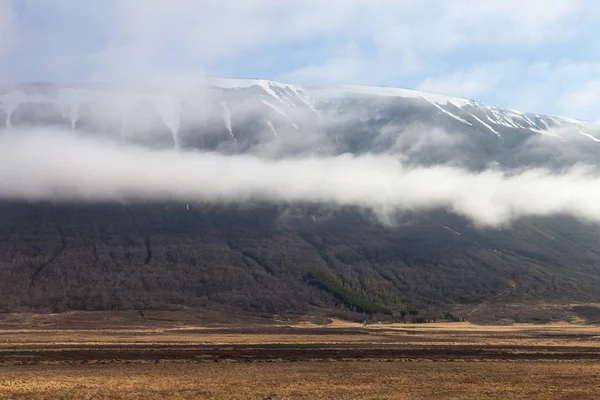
(226, 112)
(304, 97)
(270, 125)
(487, 126)
(451, 230)
(169, 109)
(406, 93)
(456, 117)
(595, 139)
(280, 112)
(266, 85)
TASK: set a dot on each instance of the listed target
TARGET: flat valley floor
(158, 355)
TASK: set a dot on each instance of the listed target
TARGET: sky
(530, 55)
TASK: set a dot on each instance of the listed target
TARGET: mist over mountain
(272, 119)
(270, 197)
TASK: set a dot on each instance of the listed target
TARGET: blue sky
(531, 55)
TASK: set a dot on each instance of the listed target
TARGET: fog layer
(61, 166)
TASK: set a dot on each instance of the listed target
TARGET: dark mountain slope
(260, 259)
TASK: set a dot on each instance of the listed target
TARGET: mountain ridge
(535, 122)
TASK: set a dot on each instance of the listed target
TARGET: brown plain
(120, 357)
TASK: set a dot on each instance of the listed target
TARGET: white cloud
(564, 87)
(62, 167)
(154, 35)
(458, 47)
(471, 82)
(408, 36)
(150, 37)
(7, 33)
(585, 98)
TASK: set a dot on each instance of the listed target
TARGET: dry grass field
(113, 356)
(306, 380)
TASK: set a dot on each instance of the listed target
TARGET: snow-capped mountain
(108, 255)
(244, 115)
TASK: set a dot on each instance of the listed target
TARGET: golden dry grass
(338, 332)
(403, 361)
(305, 380)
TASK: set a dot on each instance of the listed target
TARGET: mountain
(276, 120)
(274, 258)
(244, 113)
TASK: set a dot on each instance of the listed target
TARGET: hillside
(263, 257)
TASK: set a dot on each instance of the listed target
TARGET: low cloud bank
(61, 166)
